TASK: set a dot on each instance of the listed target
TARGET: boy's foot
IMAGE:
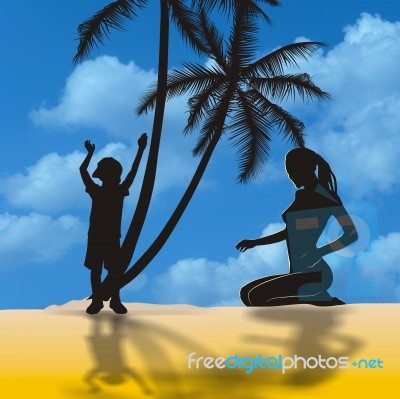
(94, 307)
(118, 307)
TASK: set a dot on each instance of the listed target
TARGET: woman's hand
(310, 259)
(244, 245)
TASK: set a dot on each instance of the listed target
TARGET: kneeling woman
(309, 276)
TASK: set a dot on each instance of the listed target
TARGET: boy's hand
(89, 147)
(142, 142)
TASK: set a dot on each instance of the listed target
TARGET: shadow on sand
(315, 332)
(136, 357)
(153, 345)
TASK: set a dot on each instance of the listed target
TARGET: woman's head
(301, 164)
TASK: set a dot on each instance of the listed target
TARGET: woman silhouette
(309, 275)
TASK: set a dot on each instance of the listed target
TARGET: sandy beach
(172, 351)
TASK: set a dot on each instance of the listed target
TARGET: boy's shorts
(102, 249)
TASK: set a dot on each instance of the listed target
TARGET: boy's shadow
(315, 332)
(153, 345)
(107, 352)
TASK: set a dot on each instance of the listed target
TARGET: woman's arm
(244, 245)
(348, 237)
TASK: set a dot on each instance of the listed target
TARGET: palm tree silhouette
(94, 30)
(237, 88)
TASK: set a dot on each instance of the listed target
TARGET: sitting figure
(309, 275)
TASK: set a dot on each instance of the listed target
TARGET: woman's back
(306, 219)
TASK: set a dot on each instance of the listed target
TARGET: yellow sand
(61, 352)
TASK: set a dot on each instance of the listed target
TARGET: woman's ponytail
(326, 177)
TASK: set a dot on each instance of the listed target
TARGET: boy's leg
(115, 302)
(116, 305)
(95, 279)
(94, 262)
(115, 271)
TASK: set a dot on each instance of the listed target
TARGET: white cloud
(54, 184)
(380, 263)
(99, 93)
(103, 93)
(205, 282)
(137, 285)
(357, 131)
(37, 238)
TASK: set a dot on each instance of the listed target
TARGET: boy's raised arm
(142, 143)
(87, 180)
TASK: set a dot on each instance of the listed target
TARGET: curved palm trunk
(135, 228)
(165, 233)
(136, 225)
(109, 286)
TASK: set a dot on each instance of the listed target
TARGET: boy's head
(108, 170)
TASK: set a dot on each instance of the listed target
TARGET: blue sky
(49, 107)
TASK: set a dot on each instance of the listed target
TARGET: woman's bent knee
(244, 295)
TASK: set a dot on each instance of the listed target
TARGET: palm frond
(202, 103)
(227, 6)
(242, 41)
(256, 12)
(274, 63)
(212, 39)
(95, 29)
(250, 134)
(188, 24)
(281, 120)
(193, 78)
(207, 132)
(214, 123)
(281, 87)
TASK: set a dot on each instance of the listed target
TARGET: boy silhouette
(104, 233)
